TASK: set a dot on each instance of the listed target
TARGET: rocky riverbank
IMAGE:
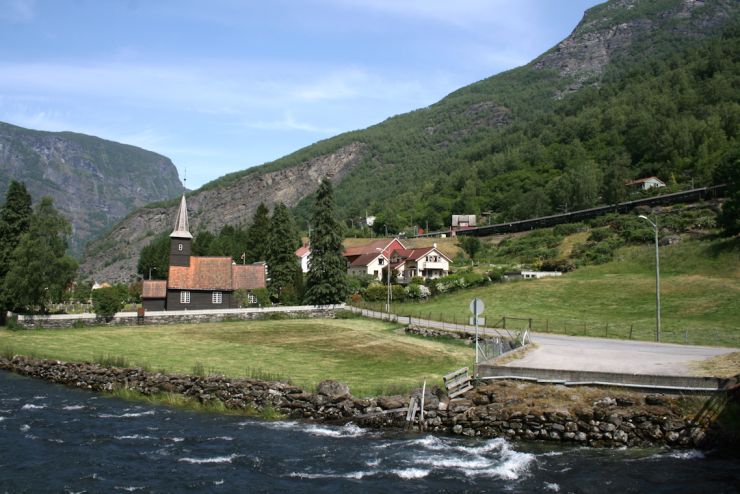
(583, 416)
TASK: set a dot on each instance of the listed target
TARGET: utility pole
(657, 276)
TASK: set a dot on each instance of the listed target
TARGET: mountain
(640, 87)
(94, 182)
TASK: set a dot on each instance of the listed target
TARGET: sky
(222, 85)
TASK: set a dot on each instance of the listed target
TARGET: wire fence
(577, 327)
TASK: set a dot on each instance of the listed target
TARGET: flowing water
(55, 439)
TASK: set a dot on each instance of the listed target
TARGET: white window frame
(251, 298)
(217, 298)
(184, 297)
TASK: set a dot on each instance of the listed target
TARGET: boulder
(333, 389)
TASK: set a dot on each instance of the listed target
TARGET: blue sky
(222, 85)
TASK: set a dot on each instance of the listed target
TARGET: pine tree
(326, 282)
(40, 270)
(282, 263)
(257, 234)
(15, 216)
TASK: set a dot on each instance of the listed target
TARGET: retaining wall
(61, 321)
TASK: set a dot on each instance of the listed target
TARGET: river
(56, 439)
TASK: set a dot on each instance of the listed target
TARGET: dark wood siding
(153, 304)
(199, 300)
(180, 257)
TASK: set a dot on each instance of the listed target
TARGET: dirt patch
(727, 365)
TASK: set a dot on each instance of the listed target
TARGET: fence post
(547, 325)
(504, 318)
(631, 326)
(606, 330)
(686, 336)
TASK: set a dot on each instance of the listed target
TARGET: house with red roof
(424, 262)
(196, 282)
(645, 183)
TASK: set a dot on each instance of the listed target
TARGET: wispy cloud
(288, 122)
(17, 11)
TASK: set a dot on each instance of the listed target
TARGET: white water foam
(3, 418)
(218, 482)
(31, 406)
(691, 454)
(221, 438)
(25, 428)
(73, 407)
(411, 473)
(348, 430)
(134, 436)
(125, 415)
(552, 487)
(213, 459)
(131, 488)
(350, 475)
(177, 439)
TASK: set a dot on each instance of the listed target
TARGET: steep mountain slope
(93, 182)
(640, 87)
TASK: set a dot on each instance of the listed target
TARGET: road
(563, 352)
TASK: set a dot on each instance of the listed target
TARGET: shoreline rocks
(499, 409)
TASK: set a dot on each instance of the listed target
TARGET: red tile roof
(412, 254)
(374, 246)
(154, 289)
(204, 273)
(302, 251)
(249, 276)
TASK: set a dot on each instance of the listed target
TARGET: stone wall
(62, 321)
(492, 410)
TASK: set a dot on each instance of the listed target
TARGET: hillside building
(196, 282)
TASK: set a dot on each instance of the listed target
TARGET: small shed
(463, 221)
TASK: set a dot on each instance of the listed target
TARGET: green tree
(471, 245)
(155, 258)
(40, 270)
(326, 282)
(728, 172)
(282, 264)
(257, 233)
(107, 301)
(15, 216)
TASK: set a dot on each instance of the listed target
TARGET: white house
(372, 264)
(304, 254)
(425, 262)
(645, 183)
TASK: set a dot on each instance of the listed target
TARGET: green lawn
(700, 293)
(368, 355)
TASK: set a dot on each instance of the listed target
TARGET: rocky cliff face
(94, 182)
(613, 28)
(114, 257)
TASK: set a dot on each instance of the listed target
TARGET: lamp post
(150, 272)
(657, 276)
(388, 295)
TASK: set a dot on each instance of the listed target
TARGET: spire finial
(182, 229)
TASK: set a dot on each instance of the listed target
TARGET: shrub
(107, 301)
(568, 229)
(262, 296)
(398, 293)
(417, 292)
(376, 292)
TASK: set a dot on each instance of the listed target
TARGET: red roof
(204, 273)
(302, 251)
(412, 254)
(365, 259)
(154, 289)
(642, 180)
(385, 245)
(249, 276)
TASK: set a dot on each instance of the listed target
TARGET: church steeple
(182, 229)
(180, 238)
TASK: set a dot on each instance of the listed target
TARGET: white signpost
(476, 308)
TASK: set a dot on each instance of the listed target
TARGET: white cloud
(288, 122)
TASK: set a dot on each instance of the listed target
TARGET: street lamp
(150, 272)
(388, 295)
(657, 276)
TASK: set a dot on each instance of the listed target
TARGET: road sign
(476, 306)
(480, 321)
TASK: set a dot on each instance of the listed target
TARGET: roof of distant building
(154, 289)
(303, 250)
(365, 259)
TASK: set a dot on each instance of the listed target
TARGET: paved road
(592, 354)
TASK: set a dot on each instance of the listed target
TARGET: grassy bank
(700, 297)
(370, 356)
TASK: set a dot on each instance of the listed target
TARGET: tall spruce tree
(326, 282)
(257, 234)
(282, 263)
(40, 270)
(15, 216)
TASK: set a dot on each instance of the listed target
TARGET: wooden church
(196, 283)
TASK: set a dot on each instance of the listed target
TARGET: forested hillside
(641, 87)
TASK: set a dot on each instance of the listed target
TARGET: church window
(217, 298)
(184, 297)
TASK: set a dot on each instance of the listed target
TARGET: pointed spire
(181, 223)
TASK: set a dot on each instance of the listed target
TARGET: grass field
(700, 297)
(370, 356)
